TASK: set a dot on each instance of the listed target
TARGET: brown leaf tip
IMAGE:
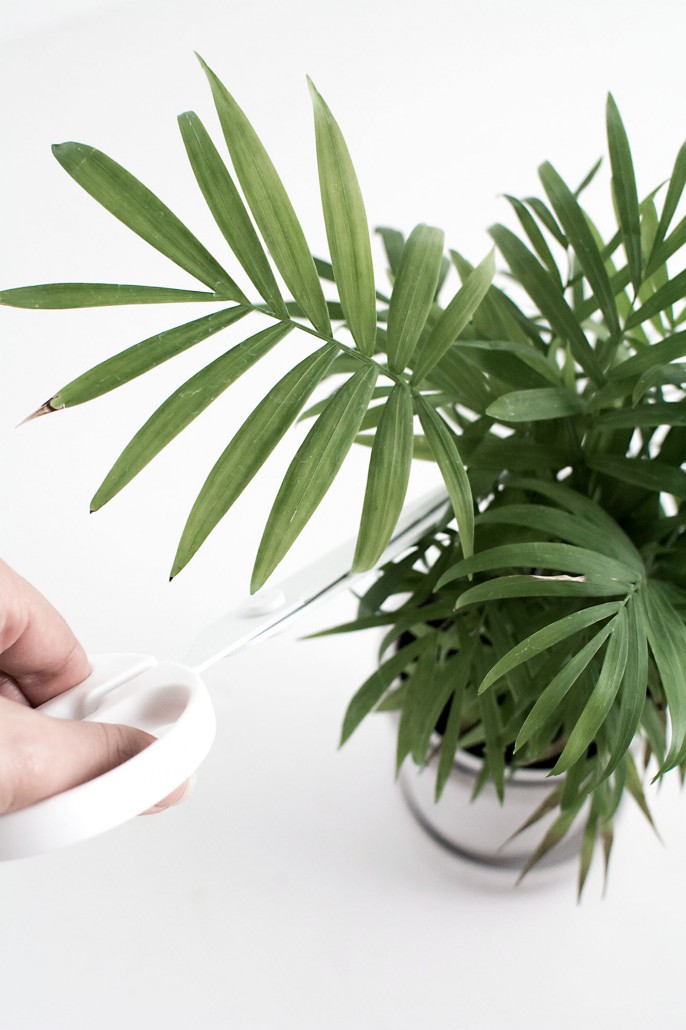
(45, 409)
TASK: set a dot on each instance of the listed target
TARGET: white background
(293, 890)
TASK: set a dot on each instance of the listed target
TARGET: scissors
(170, 701)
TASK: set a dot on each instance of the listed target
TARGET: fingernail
(177, 796)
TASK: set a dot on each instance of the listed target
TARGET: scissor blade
(269, 611)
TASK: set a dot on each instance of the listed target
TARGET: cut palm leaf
(184, 405)
(537, 586)
(271, 207)
(413, 293)
(249, 449)
(137, 207)
(228, 210)
(389, 473)
(313, 470)
(346, 227)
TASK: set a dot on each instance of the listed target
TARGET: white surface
(292, 891)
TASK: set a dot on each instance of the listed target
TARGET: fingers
(39, 654)
(41, 756)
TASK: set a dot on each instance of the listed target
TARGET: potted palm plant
(541, 624)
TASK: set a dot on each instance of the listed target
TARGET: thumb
(43, 756)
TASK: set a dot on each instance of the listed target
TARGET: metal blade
(269, 611)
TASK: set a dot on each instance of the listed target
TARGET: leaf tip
(45, 409)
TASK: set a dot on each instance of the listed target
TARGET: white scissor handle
(167, 700)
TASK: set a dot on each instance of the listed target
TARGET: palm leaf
(249, 449)
(624, 189)
(575, 225)
(58, 296)
(184, 405)
(545, 638)
(602, 697)
(346, 227)
(413, 293)
(270, 206)
(141, 357)
(228, 210)
(455, 318)
(312, 471)
(136, 206)
(389, 473)
(447, 456)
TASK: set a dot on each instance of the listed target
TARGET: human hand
(39, 658)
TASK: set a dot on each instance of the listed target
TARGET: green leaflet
(547, 297)
(522, 354)
(373, 689)
(313, 470)
(624, 189)
(634, 685)
(228, 210)
(270, 206)
(557, 832)
(578, 529)
(141, 357)
(145, 214)
(657, 354)
(249, 449)
(552, 696)
(424, 698)
(393, 242)
(537, 586)
(661, 413)
(413, 293)
(346, 227)
(672, 291)
(458, 671)
(536, 237)
(602, 697)
(454, 318)
(579, 234)
(389, 473)
(674, 191)
(661, 375)
(560, 557)
(445, 451)
(535, 405)
(547, 219)
(547, 637)
(184, 405)
(650, 474)
(666, 634)
(96, 295)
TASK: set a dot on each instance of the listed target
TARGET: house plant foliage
(542, 621)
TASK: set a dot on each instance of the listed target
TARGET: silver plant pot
(482, 830)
